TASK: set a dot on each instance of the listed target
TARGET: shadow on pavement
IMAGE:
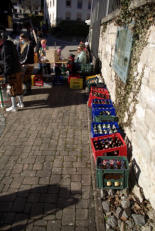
(58, 96)
(22, 208)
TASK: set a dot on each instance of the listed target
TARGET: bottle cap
(109, 183)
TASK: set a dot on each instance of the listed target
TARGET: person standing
(12, 71)
(26, 58)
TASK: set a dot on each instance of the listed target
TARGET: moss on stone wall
(126, 94)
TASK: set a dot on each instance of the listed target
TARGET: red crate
(122, 150)
(38, 80)
(75, 76)
(99, 89)
(91, 97)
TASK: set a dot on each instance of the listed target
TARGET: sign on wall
(122, 52)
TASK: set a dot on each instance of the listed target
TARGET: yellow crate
(76, 83)
(92, 76)
(32, 80)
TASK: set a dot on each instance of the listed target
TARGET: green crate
(104, 176)
(107, 118)
(92, 82)
(86, 68)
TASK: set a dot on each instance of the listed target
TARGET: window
(123, 48)
(68, 3)
(79, 17)
(79, 4)
(89, 4)
(68, 15)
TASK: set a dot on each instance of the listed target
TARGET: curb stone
(99, 218)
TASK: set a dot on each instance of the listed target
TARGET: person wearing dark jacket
(26, 57)
(12, 70)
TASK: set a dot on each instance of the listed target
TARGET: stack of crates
(97, 94)
(92, 80)
(86, 68)
(107, 143)
(75, 81)
(106, 128)
(37, 80)
(112, 172)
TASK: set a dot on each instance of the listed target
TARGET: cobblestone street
(45, 164)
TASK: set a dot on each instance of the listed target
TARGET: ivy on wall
(126, 94)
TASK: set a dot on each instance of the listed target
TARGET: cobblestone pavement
(45, 164)
(2, 122)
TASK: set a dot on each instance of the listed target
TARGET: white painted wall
(50, 9)
(59, 10)
(62, 9)
(142, 132)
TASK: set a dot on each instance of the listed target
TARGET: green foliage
(126, 94)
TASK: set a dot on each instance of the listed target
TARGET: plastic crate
(76, 83)
(86, 68)
(112, 178)
(102, 103)
(59, 80)
(92, 81)
(91, 98)
(100, 93)
(99, 89)
(103, 119)
(109, 151)
(106, 128)
(73, 76)
(92, 77)
(38, 80)
(103, 111)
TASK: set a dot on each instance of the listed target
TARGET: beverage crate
(102, 129)
(92, 82)
(98, 89)
(59, 80)
(102, 103)
(38, 80)
(103, 111)
(86, 68)
(109, 145)
(73, 76)
(112, 172)
(103, 119)
(92, 97)
(76, 83)
(92, 77)
(100, 93)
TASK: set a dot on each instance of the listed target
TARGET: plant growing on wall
(126, 94)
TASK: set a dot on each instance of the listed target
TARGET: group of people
(83, 57)
(19, 56)
(16, 57)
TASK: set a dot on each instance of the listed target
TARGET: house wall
(62, 9)
(57, 11)
(142, 131)
(50, 11)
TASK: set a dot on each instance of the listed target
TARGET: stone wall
(142, 131)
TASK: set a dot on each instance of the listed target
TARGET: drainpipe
(107, 8)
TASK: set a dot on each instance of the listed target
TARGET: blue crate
(59, 80)
(107, 128)
(104, 111)
(105, 103)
